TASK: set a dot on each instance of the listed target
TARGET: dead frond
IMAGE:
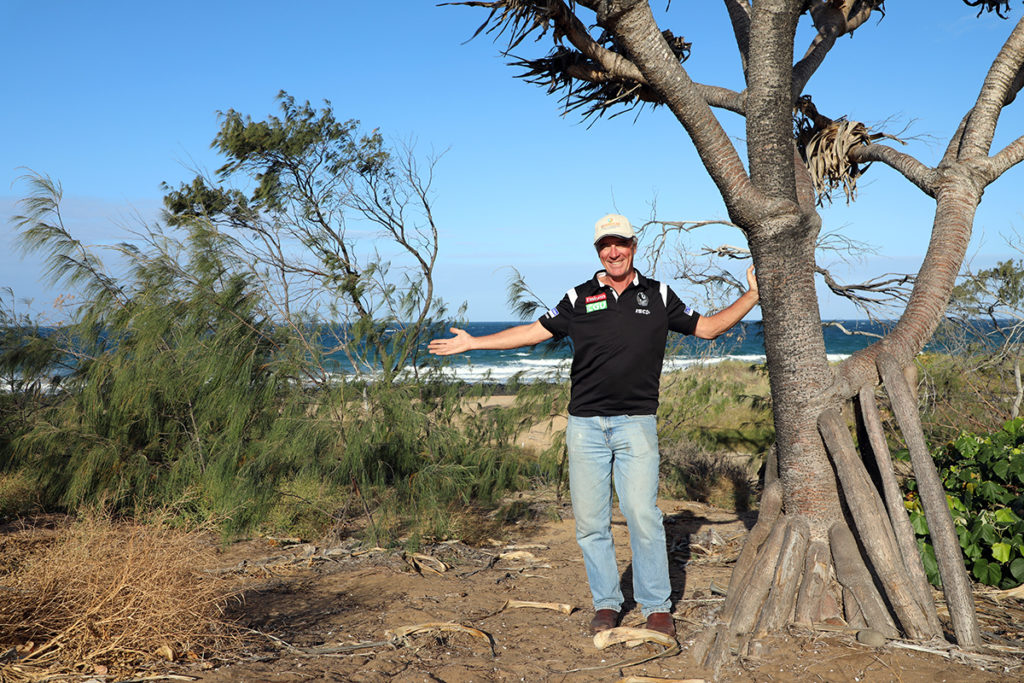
(997, 6)
(114, 595)
(827, 157)
(586, 81)
(825, 145)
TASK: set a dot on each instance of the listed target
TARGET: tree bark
(873, 439)
(955, 583)
(856, 579)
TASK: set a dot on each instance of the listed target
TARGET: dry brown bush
(113, 595)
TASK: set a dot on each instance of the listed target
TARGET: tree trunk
(788, 569)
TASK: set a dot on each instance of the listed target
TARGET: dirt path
(355, 599)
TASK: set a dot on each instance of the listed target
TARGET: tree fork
(955, 584)
(872, 522)
(873, 439)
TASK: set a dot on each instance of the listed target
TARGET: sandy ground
(329, 614)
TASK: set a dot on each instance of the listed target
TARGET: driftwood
(556, 606)
(631, 637)
(402, 632)
(955, 584)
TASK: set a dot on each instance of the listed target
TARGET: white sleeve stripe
(663, 290)
(572, 296)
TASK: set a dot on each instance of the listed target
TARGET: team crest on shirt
(641, 299)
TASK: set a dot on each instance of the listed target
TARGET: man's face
(616, 254)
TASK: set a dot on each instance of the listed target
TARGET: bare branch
(833, 20)
(739, 15)
(912, 169)
(996, 91)
(656, 249)
(1008, 157)
(887, 290)
(728, 251)
(851, 333)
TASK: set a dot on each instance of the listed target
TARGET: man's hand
(462, 341)
(710, 326)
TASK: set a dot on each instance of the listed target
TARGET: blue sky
(113, 98)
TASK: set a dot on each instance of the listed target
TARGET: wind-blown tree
(987, 312)
(296, 194)
(829, 541)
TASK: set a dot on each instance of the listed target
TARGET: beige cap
(615, 225)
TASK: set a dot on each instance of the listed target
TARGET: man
(618, 322)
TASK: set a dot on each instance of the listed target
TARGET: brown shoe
(662, 622)
(603, 620)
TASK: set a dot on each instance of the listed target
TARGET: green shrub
(984, 480)
(186, 390)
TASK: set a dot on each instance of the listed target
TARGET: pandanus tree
(833, 540)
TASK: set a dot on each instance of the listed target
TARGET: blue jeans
(623, 448)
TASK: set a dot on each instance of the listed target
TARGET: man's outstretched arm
(511, 338)
(709, 327)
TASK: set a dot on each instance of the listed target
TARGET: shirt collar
(637, 278)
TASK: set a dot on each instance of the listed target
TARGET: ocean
(548, 362)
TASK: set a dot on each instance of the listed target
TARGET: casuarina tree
(832, 540)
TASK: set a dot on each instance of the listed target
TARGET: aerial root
(767, 597)
(874, 530)
(955, 583)
(781, 601)
(817, 570)
(863, 601)
(872, 438)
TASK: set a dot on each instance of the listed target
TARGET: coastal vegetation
(198, 379)
(193, 387)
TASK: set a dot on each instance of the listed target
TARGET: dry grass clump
(113, 596)
(17, 495)
(693, 473)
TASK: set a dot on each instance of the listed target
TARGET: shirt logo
(641, 299)
(553, 312)
(596, 297)
(688, 311)
(597, 306)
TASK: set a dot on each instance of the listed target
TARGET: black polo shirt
(619, 343)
